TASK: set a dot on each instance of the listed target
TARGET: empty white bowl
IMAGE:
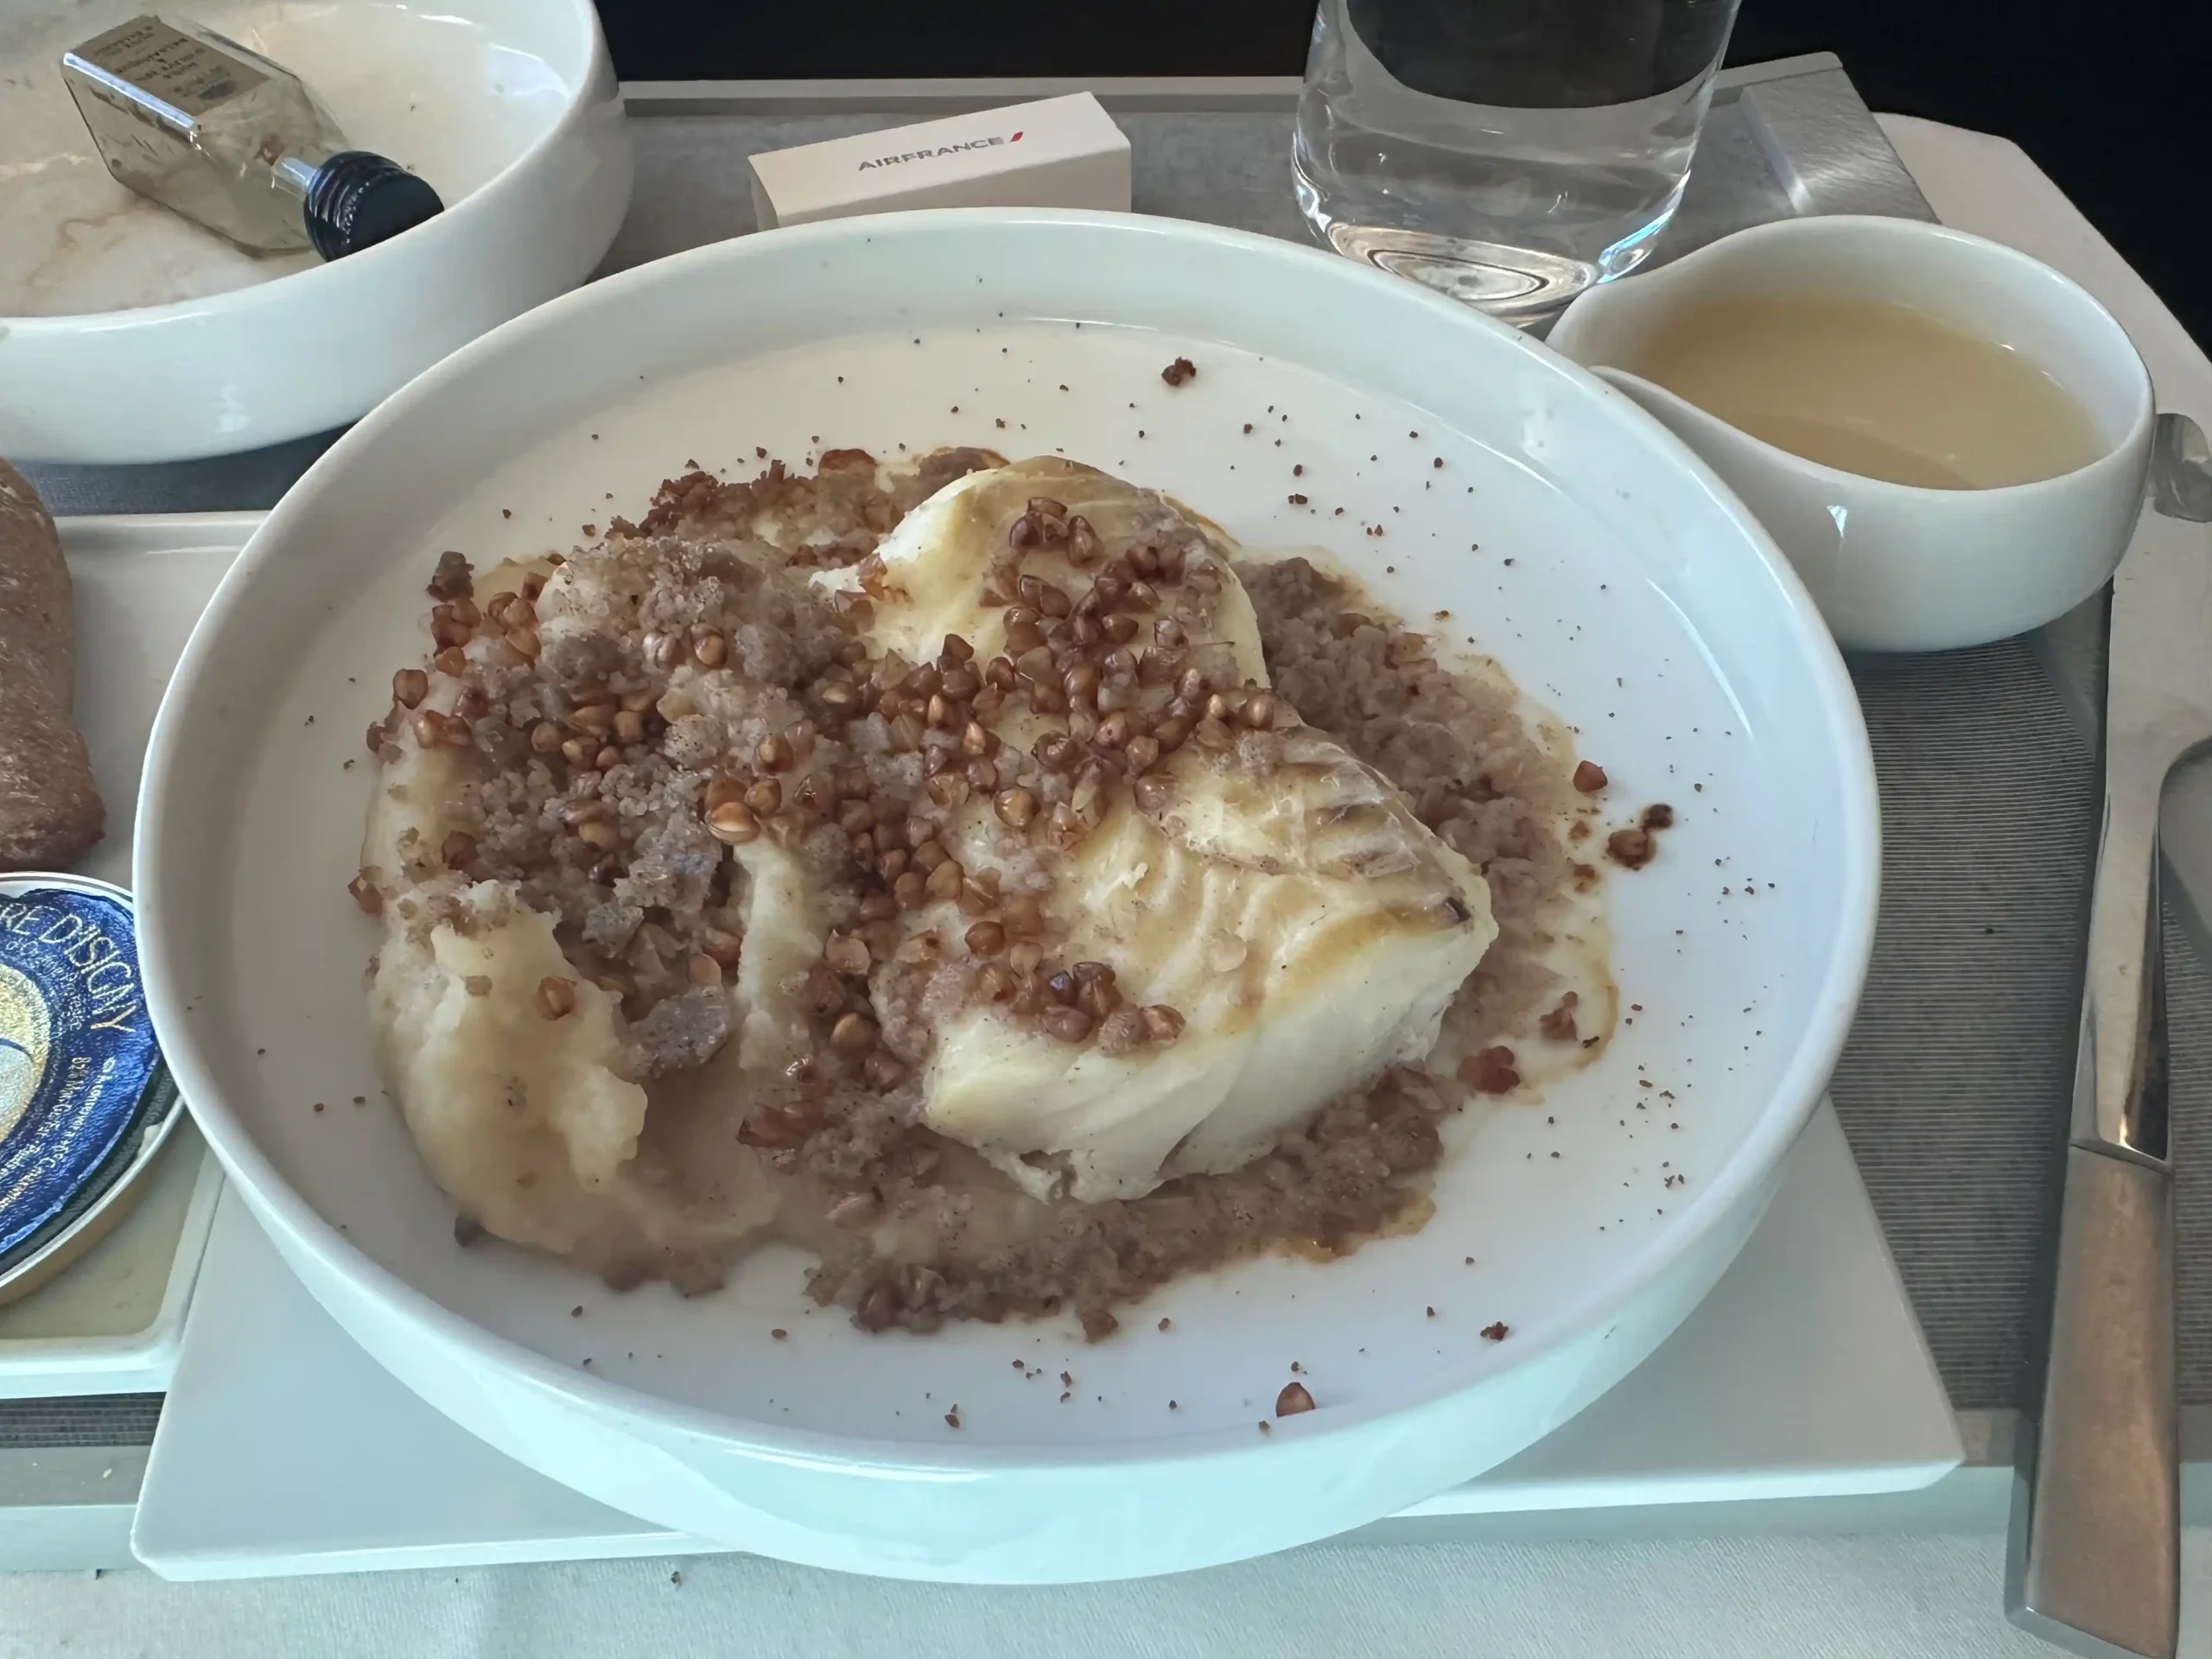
(128, 335)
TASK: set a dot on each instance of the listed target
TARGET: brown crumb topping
(679, 689)
(1458, 749)
(1357, 1170)
(1491, 1071)
(1636, 846)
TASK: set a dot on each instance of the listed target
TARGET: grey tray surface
(1954, 1086)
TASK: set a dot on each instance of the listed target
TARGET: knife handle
(2094, 1563)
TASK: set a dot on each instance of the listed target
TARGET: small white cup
(1894, 567)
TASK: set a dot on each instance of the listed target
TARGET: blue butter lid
(81, 1077)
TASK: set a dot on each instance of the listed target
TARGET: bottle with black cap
(219, 133)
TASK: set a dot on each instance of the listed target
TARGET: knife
(2094, 1563)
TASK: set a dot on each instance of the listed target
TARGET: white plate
(128, 335)
(283, 1448)
(1614, 580)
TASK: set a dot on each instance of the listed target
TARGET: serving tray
(1952, 1092)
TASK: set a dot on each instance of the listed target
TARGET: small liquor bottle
(235, 143)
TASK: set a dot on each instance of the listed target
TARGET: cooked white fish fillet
(1310, 930)
(939, 560)
(1276, 895)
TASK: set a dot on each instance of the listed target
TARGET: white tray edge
(140, 1362)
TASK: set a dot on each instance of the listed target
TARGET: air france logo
(991, 143)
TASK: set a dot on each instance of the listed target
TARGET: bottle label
(163, 62)
(200, 124)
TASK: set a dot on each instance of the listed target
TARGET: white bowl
(1616, 580)
(155, 340)
(1895, 567)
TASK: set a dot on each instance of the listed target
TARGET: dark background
(2110, 99)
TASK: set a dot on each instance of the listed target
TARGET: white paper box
(1059, 152)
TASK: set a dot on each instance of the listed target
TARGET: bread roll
(50, 809)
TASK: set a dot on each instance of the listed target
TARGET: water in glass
(1509, 152)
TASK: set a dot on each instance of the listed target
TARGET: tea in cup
(1947, 437)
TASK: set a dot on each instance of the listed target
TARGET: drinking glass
(1509, 152)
